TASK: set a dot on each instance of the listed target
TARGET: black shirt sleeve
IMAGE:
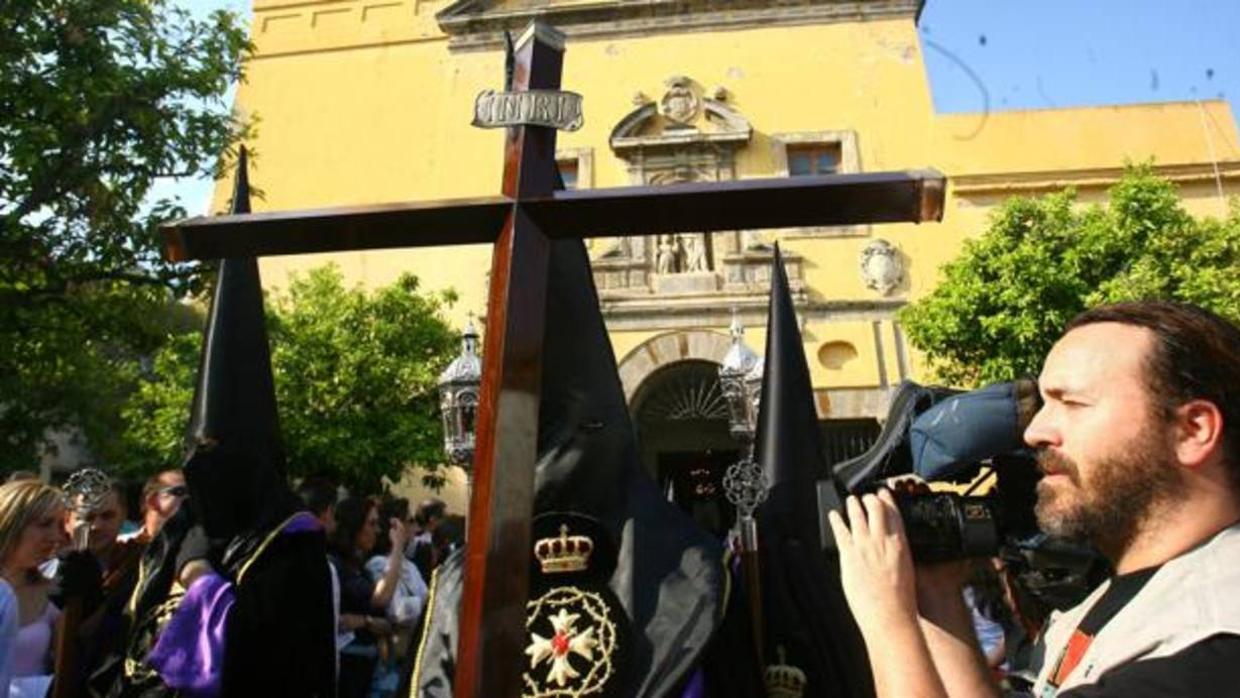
(356, 590)
(1209, 668)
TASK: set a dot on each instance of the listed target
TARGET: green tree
(355, 375)
(98, 99)
(1005, 299)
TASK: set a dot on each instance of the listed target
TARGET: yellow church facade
(369, 101)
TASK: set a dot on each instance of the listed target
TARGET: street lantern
(738, 386)
(458, 399)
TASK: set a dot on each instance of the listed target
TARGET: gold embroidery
(429, 609)
(578, 650)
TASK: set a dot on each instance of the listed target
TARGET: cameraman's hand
(940, 582)
(876, 568)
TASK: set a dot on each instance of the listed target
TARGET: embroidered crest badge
(572, 619)
(575, 657)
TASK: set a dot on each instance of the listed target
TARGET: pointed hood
(666, 575)
(235, 464)
(805, 611)
(788, 443)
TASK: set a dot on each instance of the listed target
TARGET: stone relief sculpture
(687, 133)
(881, 268)
(666, 262)
(680, 104)
(695, 253)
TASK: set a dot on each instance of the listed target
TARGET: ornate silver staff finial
(745, 485)
(85, 491)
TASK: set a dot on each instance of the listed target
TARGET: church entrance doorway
(681, 420)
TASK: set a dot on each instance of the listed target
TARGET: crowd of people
(382, 556)
(57, 560)
(51, 551)
(1138, 441)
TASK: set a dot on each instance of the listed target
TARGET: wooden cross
(520, 222)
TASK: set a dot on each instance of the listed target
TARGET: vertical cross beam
(492, 634)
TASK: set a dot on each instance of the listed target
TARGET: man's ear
(1198, 433)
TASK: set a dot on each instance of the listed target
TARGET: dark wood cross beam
(519, 223)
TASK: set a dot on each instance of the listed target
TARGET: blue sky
(1010, 54)
(1061, 53)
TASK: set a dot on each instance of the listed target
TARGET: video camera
(935, 434)
(941, 435)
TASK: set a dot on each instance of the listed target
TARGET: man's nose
(1041, 430)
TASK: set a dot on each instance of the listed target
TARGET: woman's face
(369, 532)
(39, 540)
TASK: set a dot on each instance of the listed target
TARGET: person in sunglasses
(162, 496)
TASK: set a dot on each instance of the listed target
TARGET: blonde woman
(31, 520)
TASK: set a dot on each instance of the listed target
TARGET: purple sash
(696, 688)
(189, 654)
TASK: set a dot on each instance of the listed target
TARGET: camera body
(939, 434)
(940, 526)
(944, 526)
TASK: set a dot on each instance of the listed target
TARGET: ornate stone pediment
(683, 116)
(479, 24)
(687, 133)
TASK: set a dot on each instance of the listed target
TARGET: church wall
(1042, 140)
(362, 101)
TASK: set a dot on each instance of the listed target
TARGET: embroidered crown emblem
(784, 680)
(563, 554)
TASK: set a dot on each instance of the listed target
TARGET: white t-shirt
(410, 597)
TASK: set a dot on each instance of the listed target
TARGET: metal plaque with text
(549, 108)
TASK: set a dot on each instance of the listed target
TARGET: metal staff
(85, 491)
(745, 485)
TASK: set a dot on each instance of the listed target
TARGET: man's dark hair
(389, 509)
(154, 484)
(117, 487)
(1196, 356)
(351, 515)
(317, 494)
(430, 509)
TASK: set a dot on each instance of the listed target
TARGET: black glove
(195, 546)
(78, 576)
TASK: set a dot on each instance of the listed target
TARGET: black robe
(279, 638)
(655, 580)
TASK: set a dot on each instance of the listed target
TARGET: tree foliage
(1005, 299)
(355, 375)
(98, 98)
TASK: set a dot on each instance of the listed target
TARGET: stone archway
(666, 349)
(680, 418)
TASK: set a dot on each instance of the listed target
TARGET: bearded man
(1139, 446)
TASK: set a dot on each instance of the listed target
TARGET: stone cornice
(473, 25)
(656, 314)
(1004, 183)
